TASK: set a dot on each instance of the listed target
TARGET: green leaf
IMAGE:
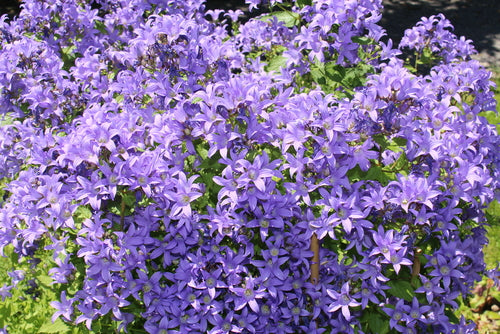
(377, 324)
(57, 327)
(318, 73)
(451, 315)
(129, 198)
(375, 173)
(119, 98)
(68, 56)
(401, 289)
(303, 3)
(5, 312)
(492, 315)
(382, 141)
(82, 213)
(101, 26)
(276, 63)
(494, 210)
(196, 99)
(362, 40)
(289, 18)
(334, 72)
(402, 163)
(400, 141)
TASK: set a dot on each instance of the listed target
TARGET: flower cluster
(289, 174)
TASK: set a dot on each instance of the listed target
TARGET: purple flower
(63, 270)
(64, 307)
(417, 312)
(398, 314)
(256, 173)
(5, 291)
(211, 281)
(397, 259)
(430, 287)
(445, 269)
(186, 192)
(413, 189)
(247, 295)
(16, 276)
(343, 301)
(386, 242)
(368, 295)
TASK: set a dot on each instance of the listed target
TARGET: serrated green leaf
(129, 198)
(377, 324)
(202, 149)
(401, 163)
(119, 98)
(57, 327)
(401, 289)
(5, 312)
(318, 71)
(82, 212)
(452, 316)
(46, 280)
(399, 141)
(303, 3)
(276, 63)
(101, 26)
(362, 40)
(334, 72)
(196, 99)
(377, 174)
(381, 140)
(289, 18)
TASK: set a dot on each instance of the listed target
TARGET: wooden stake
(315, 259)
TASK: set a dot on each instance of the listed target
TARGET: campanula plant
(173, 170)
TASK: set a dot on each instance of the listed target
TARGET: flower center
(185, 199)
(248, 293)
(210, 282)
(264, 223)
(226, 326)
(275, 252)
(445, 270)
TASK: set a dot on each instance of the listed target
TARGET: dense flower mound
(290, 174)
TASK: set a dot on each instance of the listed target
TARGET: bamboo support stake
(315, 259)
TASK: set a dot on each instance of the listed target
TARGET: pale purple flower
(64, 307)
(248, 294)
(343, 301)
